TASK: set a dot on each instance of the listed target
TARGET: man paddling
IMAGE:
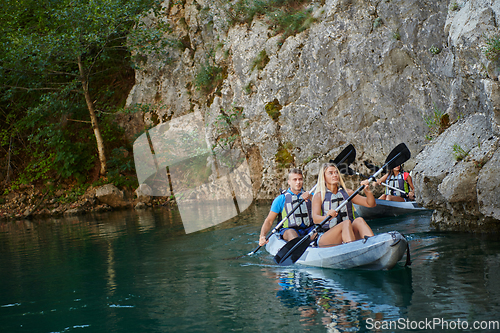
(299, 222)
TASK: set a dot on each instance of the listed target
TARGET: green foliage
(285, 16)
(225, 128)
(309, 159)
(260, 61)
(73, 194)
(437, 122)
(248, 88)
(454, 6)
(63, 148)
(492, 51)
(459, 153)
(208, 77)
(122, 169)
(283, 156)
(44, 114)
(434, 50)
(273, 109)
(377, 23)
(396, 35)
(227, 118)
(290, 22)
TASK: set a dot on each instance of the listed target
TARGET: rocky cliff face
(370, 73)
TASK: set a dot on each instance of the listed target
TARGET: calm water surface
(139, 272)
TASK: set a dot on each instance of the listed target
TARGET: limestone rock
(74, 211)
(367, 73)
(454, 173)
(144, 193)
(488, 187)
(140, 205)
(111, 195)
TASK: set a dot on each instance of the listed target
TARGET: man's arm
(266, 227)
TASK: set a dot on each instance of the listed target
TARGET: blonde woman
(331, 192)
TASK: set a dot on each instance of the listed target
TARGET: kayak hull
(386, 208)
(380, 252)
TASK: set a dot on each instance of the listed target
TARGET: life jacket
(398, 181)
(332, 201)
(300, 218)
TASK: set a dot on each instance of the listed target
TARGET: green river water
(138, 271)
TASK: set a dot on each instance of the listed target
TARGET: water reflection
(140, 272)
(343, 300)
(111, 273)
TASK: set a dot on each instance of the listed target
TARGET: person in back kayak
(344, 227)
(299, 223)
(400, 179)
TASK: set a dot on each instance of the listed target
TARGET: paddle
(346, 157)
(293, 250)
(352, 172)
(280, 223)
(343, 163)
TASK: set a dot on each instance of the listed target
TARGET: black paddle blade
(346, 156)
(372, 167)
(349, 172)
(292, 251)
(398, 156)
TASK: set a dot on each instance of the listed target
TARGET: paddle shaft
(391, 187)
(350, 150)
(372, 177)
(318, 226)
(386, 185)
(280, 223)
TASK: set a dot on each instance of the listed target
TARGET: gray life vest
(397, 182)
(332, 201)
(300, 217)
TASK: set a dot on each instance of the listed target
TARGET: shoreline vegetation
(64, 83)
(30, 202)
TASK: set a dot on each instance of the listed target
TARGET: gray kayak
(386, 208)
(380, 252)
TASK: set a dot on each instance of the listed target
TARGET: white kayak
(380, 252)
(386, 208)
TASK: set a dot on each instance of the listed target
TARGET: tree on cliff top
(54, 57)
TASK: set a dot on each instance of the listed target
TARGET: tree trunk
(93, 118)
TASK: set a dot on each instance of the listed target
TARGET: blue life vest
(332, 201)
(300, 217)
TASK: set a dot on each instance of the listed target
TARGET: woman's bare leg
(347, 231)
(394, 198)
(361, 228)
(337, 234)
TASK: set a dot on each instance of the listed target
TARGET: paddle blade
(292, 251)
(398, 156)
(372, 167)
(346, 156)
(349, 172)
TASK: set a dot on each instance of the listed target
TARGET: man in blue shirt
(299, 223)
